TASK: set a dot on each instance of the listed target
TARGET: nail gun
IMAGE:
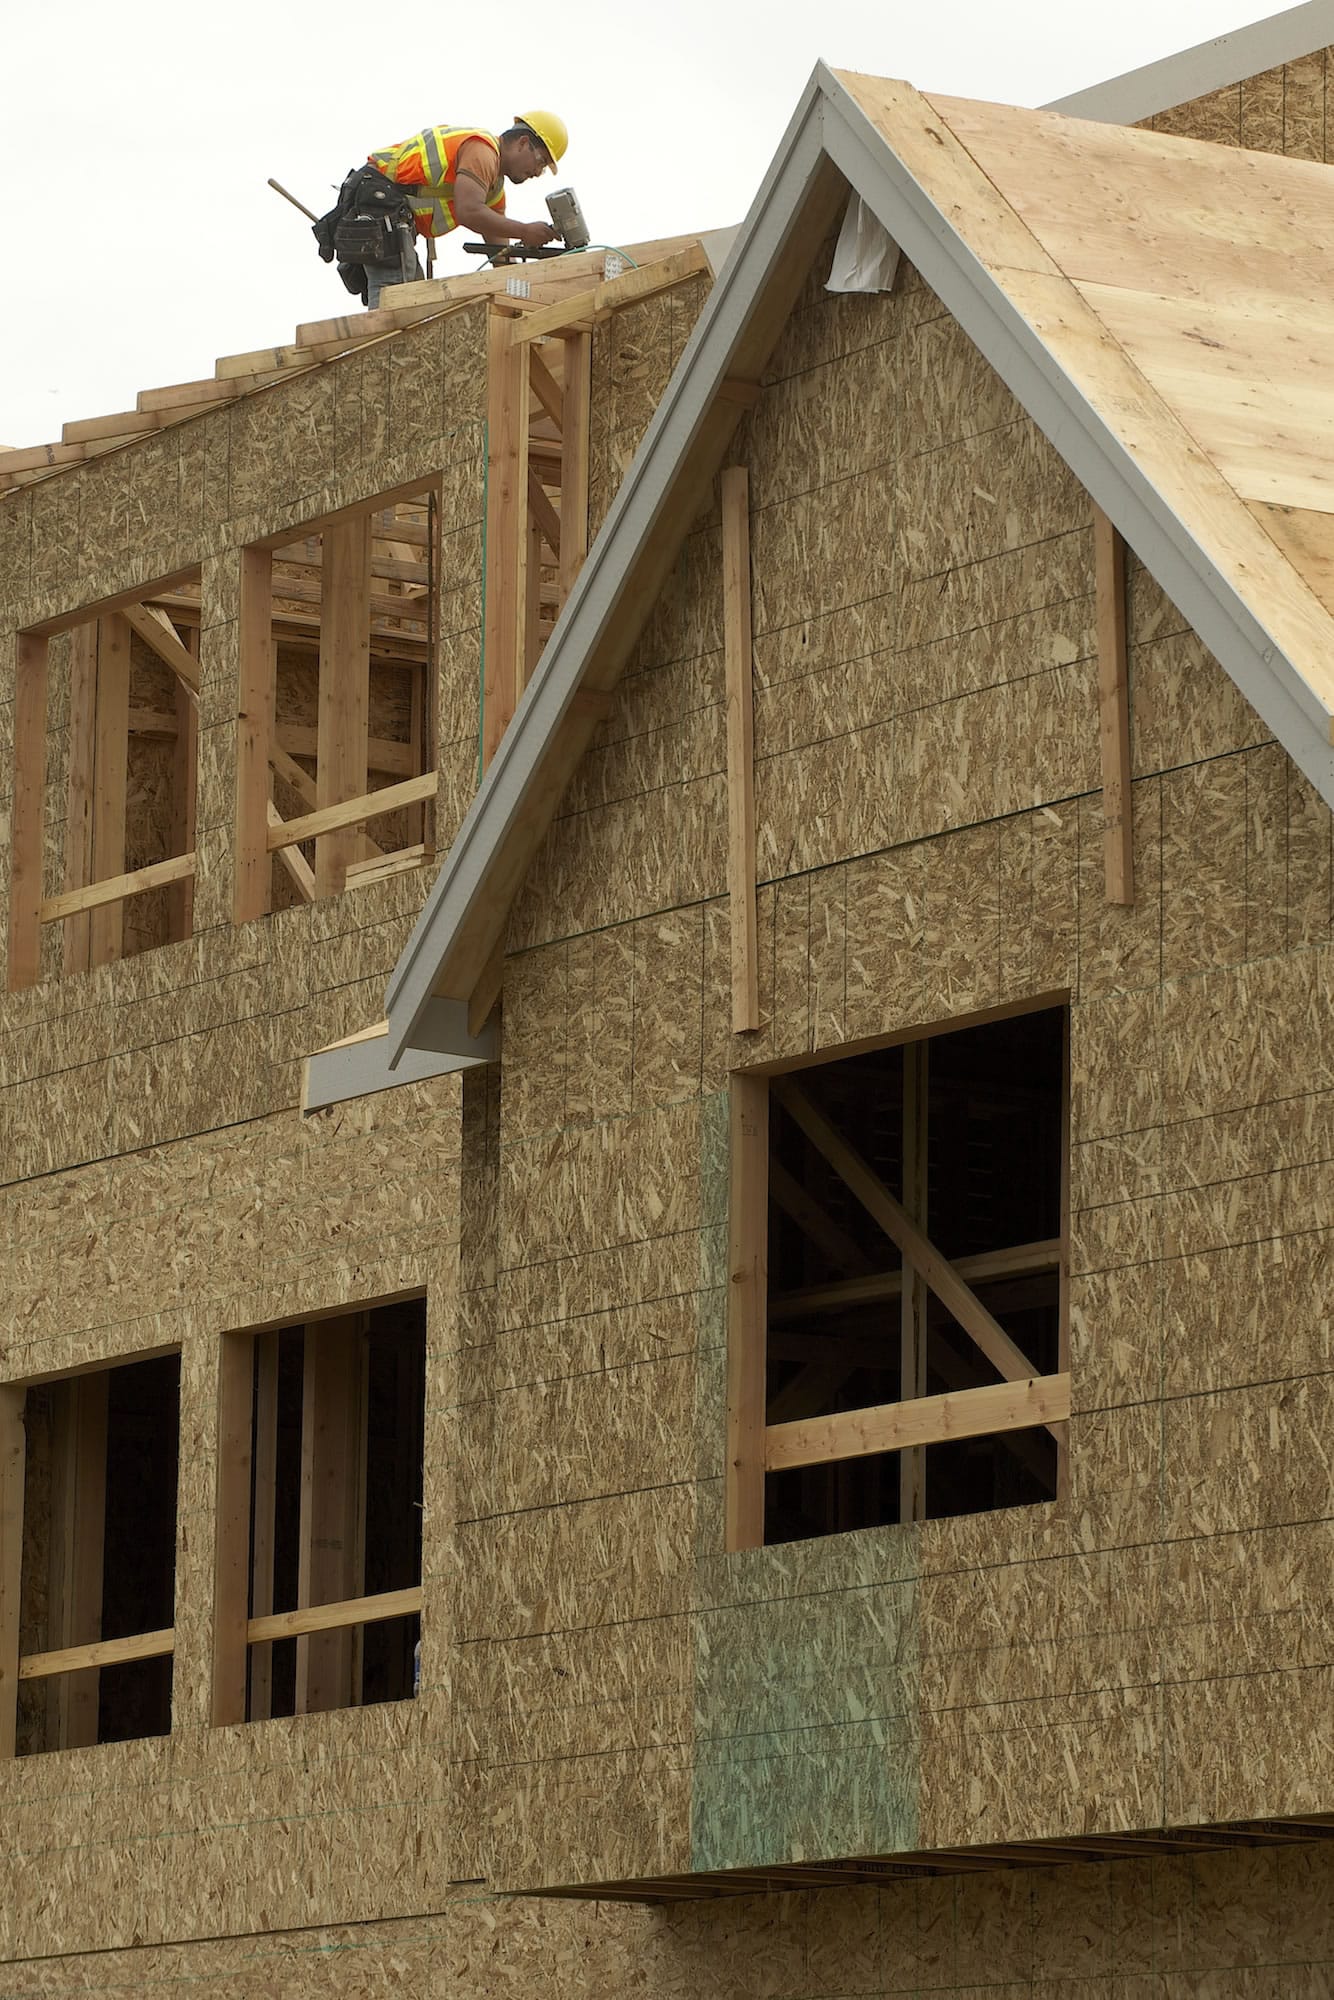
(568, 218)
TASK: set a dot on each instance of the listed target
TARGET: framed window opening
(321, 1427)
(88, 1486)
(337, 704)
(898, 1309)
(131, 667)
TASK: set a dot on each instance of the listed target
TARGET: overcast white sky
(143, 241)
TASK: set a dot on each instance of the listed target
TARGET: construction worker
(442, 178)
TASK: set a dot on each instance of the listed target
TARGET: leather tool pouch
(365, 239)
(360, 228)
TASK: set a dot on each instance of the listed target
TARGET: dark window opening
(99, 1552)
(337, 1449)
(966, 1133)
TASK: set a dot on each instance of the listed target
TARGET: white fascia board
(592, 604)
(1214, 65)
(1250, 655)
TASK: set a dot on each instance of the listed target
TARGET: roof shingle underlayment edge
(936, 201)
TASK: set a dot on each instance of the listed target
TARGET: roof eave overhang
(1270, 681)
(359, 1066)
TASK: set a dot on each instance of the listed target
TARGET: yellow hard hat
(550, 130)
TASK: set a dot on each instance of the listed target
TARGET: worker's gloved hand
(535, 234)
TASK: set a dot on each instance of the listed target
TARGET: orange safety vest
(426, 164)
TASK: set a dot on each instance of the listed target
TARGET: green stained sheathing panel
(807, 1672)
(806, 1705)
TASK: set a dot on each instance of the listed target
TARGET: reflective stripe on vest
(427, 163)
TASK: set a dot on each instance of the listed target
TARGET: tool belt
(368, 224)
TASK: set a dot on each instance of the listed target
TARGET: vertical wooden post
(264, 1518)
(575, 407)
(1061, 1431)
(1114, 710)
(913, 1300)
(740, 750)
(344, 701)
(427, 735)
(532, 610)
(253, 884)
(184, 794)
(231, 1578)
(25, 879)
(332, 1422)
(506, 528)
(78, 1534)
(12, 1457)
(419, 680)
(81, 779)
(356, 1571)
(748, 1286)
(106, 924)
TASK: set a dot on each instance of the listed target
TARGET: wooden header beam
(923, 1420)
(353, 812)
(337, 1617)
(117, 888)
(626, 290)
(98, 1653)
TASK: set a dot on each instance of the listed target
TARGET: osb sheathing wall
(161, 1187)
(244, 1003)
(1213, 1927)
(634, 353)
(1156, 1650)
(624, 1698)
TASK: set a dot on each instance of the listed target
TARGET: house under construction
(666, 1105)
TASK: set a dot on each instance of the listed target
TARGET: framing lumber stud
(1114, 710)
(25, 894)
(12, 1457)
(748, 1273)
(344, 691)
(78, 1518)
(737, 651)
(507, 538)
(330, 1563)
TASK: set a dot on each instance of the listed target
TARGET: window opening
(320, 1514)
(898, 1342)
(98, 1567)
(129, 677)
(337, 763)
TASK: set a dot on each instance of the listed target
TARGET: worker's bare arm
(473, 215)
